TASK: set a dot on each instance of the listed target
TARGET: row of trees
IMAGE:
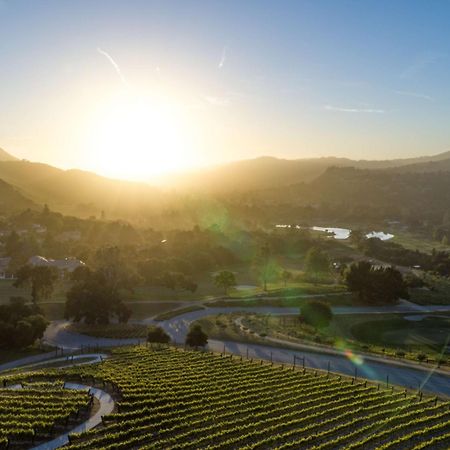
(196, 337)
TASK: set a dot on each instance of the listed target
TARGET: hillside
(11, 200)
(4, 156)
(270, 172)
(192, 400)
(77, 191)
(347, 194)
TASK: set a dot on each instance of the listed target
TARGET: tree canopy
(157, 335)
(41, 278)
(375, 285)
(96, 297)
(225, 279)
(316, 313)
(196, 337)
(20, 324)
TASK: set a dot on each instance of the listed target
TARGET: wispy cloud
(421, 62)
(415, 94)
(354, 110)
(223, 57)
(114, 64)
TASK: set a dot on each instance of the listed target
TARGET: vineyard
(192, 400)
(37, 411)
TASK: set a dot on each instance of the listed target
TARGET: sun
(138, 137)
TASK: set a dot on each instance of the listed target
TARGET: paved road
(58, 336)
(177, 326)
(410, 377)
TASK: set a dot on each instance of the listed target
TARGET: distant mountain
(11, 200)
(4, 156)
(344, 191)
(78, 192)
(442, 165)
(270, 172)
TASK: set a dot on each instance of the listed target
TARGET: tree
(265, 257)
(157, 335)
(316, 262)
(20, 324)
(96, 298)
(357, 237)
(286, 276)
(225, 279)
(41, 278)
(317, 313)
(196, 337)
(375, 285)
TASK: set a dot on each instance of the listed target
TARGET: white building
(66, 265)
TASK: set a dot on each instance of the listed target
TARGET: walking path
(106, 406)
(47, 358)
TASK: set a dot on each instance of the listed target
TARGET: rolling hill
(270, 172)
(4, 156)
(77, 191)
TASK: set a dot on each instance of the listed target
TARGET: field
(193, 400)
(37, 412)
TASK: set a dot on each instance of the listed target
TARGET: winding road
(410, 375)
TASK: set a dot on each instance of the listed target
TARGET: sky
(133, 89)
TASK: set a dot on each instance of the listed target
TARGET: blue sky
(363, 79)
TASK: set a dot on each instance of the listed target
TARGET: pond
(342, 233)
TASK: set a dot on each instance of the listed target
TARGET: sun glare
(137, 137)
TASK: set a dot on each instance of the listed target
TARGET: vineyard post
(328, 369)
(247, 351)
(303, 363)
(293, 367)
(224, 349)
(271, 360)
(387, 380)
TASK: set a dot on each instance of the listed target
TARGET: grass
(292, 289)
(431, 333)
(256, 327)
(7, 290)
(223, 327)
(7, 355)
(288, 302)
(438, 295)
(176, 312)
(415, 242)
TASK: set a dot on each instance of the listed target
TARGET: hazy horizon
(140, 89)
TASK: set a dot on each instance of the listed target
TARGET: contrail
(223, 58)
(114, 64)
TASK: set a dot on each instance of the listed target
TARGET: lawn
(421, 243)
(381, 334)
(11, 355)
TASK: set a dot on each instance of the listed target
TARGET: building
(4, 265)
(64, 266)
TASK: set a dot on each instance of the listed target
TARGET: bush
(157, 335)
(422, 357)
(196, 337)
(316, 313)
